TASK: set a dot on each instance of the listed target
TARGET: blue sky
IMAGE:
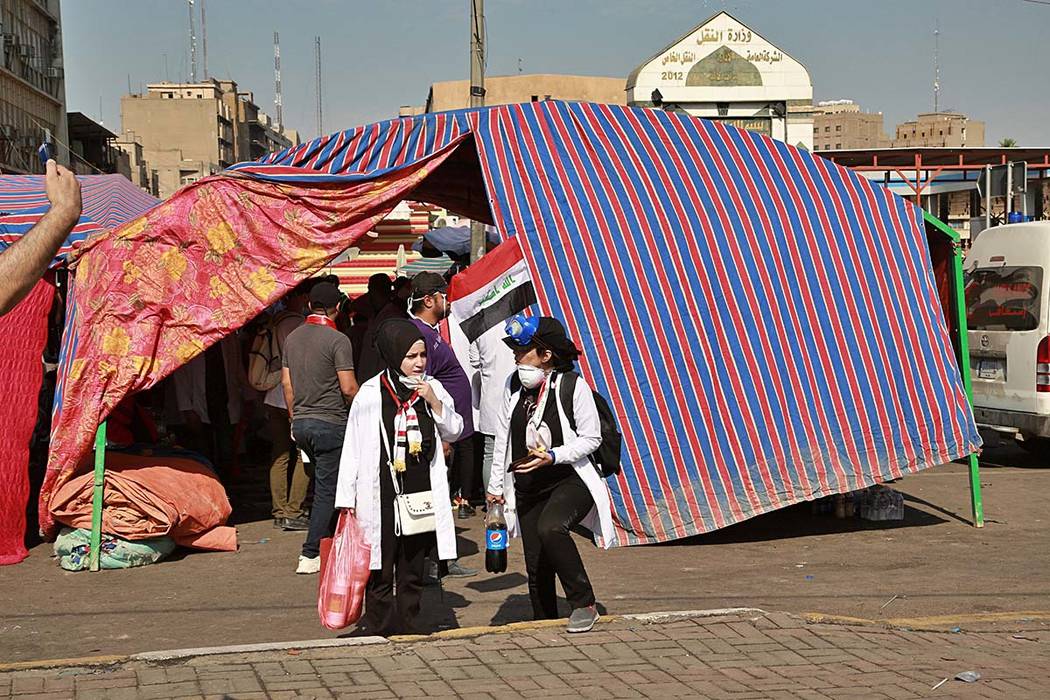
(380, 54)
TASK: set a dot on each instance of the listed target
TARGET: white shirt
(494, 363)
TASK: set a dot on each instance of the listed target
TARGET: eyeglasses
(521, 329)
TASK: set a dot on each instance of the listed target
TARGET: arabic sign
(761, 125)
(724, 53)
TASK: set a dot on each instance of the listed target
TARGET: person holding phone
(392, 476)
(541, 469)
(26, 260)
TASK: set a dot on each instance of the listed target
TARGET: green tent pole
(977, 507)
(959, 302)
(96, 499)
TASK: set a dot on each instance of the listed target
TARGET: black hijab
(393, 339)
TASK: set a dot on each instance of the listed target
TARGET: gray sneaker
(456, 570)
(582, 619)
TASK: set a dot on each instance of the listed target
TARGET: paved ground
(752, 655)
(933, 569)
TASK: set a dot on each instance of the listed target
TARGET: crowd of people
(405, 431)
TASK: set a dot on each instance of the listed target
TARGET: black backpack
(606, 458)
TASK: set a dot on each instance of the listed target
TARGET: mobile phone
(46, 153)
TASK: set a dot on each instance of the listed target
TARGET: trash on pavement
(968, 677)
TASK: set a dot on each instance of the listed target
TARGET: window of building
(838, 127)
(535, 98)
(827, 129)
(838, 146)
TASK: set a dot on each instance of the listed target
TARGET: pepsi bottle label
(496, 539)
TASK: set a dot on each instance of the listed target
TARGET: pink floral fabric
(154, 293)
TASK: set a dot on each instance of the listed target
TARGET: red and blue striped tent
(109, 200)
(765, 324)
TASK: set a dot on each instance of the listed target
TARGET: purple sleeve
(443, 365)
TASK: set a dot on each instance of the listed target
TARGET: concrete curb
(934, 623)
(175, 654)
(458, 633)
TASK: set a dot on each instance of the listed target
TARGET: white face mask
(411, 381)
(531, 377)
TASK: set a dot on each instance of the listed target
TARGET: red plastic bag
(343, 577)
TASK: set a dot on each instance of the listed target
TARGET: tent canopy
(765, 324)
(109, 201)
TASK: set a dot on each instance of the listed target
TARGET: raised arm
(24, 263)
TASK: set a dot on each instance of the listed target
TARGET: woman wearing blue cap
(546, 433)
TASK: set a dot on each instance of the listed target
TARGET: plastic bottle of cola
(495, 540)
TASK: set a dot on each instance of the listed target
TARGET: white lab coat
(494, 363)
(575, 450)
(358, 486)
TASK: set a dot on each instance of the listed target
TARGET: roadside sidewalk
(739, 654)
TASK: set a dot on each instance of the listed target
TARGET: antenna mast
(204, 41)
(320, 120)
(936, 67)
(277, 102)
(193, 45)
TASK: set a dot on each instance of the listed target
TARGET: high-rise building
(940, 129)
(32, 86)
(191, 130)
(840, 124)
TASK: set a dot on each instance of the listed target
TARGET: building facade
(724, 70)
(940, 130)
(93, 148)
(140, 172)
(840, 124)
(191, 130)
(32, 83)
(514, 89)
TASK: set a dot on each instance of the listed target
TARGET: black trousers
(545, 523)
(463, 468)
(394, 593)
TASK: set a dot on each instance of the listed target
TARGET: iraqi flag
(492, 290)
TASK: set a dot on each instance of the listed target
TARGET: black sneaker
(466, 511)
(296, 524)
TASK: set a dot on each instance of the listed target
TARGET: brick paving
(736, 657)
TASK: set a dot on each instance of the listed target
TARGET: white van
(1007, 280)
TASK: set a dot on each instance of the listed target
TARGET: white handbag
(413, 512)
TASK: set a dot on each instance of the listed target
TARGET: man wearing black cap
(319, 384)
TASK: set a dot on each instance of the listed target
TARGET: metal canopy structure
(919, 167)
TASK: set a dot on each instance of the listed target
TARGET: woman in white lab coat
(541, 468)
(392, 468)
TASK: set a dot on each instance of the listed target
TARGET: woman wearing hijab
(392, 475)
(541, 468)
